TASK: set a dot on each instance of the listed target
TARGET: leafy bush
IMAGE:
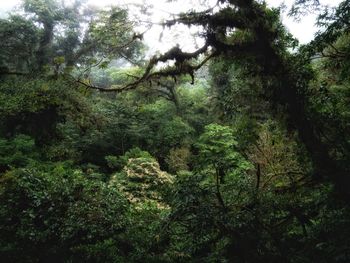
(58, 213)
(17, 152)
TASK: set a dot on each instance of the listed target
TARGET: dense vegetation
(236, 152)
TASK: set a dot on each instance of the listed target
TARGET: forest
(236, 151)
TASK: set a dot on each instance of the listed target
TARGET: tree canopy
(235, 152)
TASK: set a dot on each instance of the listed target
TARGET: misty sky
(303, 30)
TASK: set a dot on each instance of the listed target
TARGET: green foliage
(19, 38)
(179, 159)
(217, 149)
(37, 106)
(153, 127)
(17, 152)
(236, 93)
(195, 100)
(111, 32)
(258, 145)
(119, 162)
(281, 162)
(54, 37)
(141, 180)
(57, 213)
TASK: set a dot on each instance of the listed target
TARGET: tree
(243, 141)
(57, 212)
(260, 42)
(217, 151)
(20, 38)
(48, 14)
(61, 36)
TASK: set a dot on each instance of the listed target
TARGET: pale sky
(303, 30)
